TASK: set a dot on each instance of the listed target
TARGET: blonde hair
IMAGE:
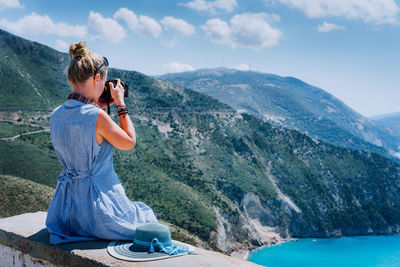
(83, 63)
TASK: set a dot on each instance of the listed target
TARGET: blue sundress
(89, 202)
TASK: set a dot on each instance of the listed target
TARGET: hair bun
(78, 50)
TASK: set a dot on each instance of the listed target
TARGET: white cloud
(148, 26)
(179, 25)
(34, 24)
(142, 25)
(327, 27)
(243, 67)
(170, 43)
(269, 2)
(62, 45)
(10, 4)
(375, 11)
(218, 31)
(43, 25)
(250, 30)
(211, 6)
(178, 67)
(106, 28)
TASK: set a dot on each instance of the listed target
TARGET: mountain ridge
(386, 115)
(292, 103)
(390, 122)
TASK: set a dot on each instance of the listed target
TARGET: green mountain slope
(229, 178)
(291, 103)
(34, 77)
(21, 196)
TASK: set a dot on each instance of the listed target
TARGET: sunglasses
(105, 63)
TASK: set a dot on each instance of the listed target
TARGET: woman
(89, 201)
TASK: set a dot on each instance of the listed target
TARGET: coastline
(245, 253)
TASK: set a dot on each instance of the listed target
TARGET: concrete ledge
(24, 241)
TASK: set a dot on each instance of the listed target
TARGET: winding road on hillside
(22, 134)
(167, 110)
(152, 111)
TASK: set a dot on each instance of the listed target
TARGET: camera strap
(81, 98)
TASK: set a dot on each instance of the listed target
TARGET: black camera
(106, 95)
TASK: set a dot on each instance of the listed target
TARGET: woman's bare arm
(122, 137)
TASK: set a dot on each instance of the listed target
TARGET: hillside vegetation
(21, 196)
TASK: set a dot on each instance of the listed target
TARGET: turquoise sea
(363, 251)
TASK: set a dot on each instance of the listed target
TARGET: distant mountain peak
(300, 106)
(385, 116)
(215, 71)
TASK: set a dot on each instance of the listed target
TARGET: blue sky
(349, 48)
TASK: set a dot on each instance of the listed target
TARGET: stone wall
(24, 241)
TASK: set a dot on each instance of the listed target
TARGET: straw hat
(152, 242)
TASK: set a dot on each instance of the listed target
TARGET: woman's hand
(117, 93)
